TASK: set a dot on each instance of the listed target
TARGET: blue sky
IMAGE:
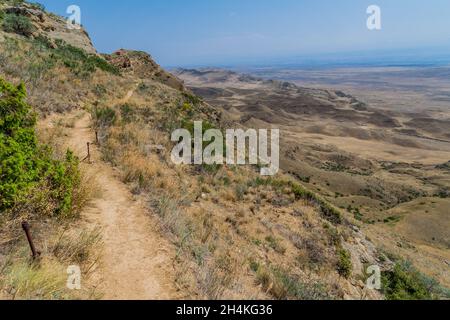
(225, 32)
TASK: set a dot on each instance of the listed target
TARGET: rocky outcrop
(52, 27)
(141, 65)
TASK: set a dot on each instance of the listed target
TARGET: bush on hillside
(104, 117)
(344, 266)
(17, 24)
(24, 164)
(79, 61)
(404, 282)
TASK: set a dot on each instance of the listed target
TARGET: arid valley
(374, 141)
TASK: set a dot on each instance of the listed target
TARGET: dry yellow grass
(140, 169)
(46, 278)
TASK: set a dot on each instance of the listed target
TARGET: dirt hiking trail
(136, 262)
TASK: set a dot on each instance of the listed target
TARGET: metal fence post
(26, 228)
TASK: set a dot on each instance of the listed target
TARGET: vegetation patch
(392, 219)
(104, 117)
(443, 193)
(344, 266)
(404, 282)
(27, 166)
(327, 210)
(19, 24)
(77, 60)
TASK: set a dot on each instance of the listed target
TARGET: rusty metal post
(26, 228)
(88, 157)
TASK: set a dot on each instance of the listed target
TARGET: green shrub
(18, 166)
(65, 178)
(344, 266)
(24, 164)
(17, 24)
(358, 215)
(104, 117)
(404, 282)
(79, 61)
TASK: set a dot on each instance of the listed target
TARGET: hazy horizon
(408, 57)
(202, 33)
